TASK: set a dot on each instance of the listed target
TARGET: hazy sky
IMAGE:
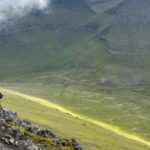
(11, 8)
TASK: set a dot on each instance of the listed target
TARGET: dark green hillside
(48, 36)
(63, 40)
(128, 39)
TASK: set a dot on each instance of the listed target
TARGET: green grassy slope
(127, 109)
(91, 136)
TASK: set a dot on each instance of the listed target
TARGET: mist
(14, 8)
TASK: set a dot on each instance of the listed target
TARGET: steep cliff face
(21, 134)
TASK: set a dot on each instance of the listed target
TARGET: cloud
(12, 8)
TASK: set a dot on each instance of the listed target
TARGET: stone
(46, 133)
(20, 134)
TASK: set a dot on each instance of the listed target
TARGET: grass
(89, 135)
(127, 109)
(42, 63)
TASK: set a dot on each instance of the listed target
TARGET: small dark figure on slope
(1, 96)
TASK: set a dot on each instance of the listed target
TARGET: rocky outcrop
(16, 134)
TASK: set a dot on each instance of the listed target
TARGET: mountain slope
(91, 136)
(128, 40)
(62, 40)
(91, 59)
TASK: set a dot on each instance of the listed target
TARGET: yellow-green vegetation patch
(89, 135)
